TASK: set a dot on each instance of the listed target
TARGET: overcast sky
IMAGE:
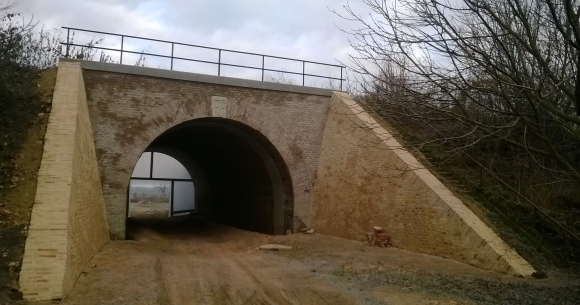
(304, 29)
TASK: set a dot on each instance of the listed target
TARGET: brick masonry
(366, 179)
(347, 173)
(68, 222)
(129, 111)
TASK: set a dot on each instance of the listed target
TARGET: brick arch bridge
(126, 122)
(295, 156)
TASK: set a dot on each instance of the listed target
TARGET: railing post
(67, 41)
(263, 67)
(172, 46)
(122, 42)
(340, 78)
(219, 61)
(303, 70)
(151, 165)
(172, 193)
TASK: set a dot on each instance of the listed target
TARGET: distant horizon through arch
(159, 178)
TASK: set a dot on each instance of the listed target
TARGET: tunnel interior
(239, 177)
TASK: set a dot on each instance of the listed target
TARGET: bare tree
(6, 5)
(163, 190)
(477, 71)
(279, 78)
(492, 82)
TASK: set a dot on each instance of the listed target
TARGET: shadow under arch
(240, 178)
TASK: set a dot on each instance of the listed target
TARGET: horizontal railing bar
(91, 31)
(91, 47)
(143, 53)
(217, 63)
(327, 77)
(161, 179)
(197, 60)
(297, 73)
(204, 47)
(204, 61)
(285, 58)
(184, 211)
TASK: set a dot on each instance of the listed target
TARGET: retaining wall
(68, 223)
(365, 178)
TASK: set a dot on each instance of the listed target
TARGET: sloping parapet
(68, 222)
(365, 178)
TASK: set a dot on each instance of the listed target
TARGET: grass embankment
(538, 239)
(23, 122)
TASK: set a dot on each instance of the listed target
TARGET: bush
(24, 52)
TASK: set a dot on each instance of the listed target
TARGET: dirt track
(212, 264)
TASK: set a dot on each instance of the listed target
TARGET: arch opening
(160, 186)
(238, 177)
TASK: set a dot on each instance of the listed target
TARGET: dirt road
(207, 265)
(213, 264)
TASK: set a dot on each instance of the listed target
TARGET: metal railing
(69, 43)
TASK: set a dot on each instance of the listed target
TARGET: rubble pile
(378, 237)
(307, 230)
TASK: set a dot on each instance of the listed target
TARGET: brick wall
(364, 180)
(68, 222)
(129, 111)
(87, 224)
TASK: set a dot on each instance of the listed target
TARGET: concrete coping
(196, 77)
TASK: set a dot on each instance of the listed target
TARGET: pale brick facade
(68, 219)
(365, 178)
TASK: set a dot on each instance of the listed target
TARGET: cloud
(302, 29)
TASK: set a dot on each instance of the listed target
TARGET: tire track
(163, 297)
